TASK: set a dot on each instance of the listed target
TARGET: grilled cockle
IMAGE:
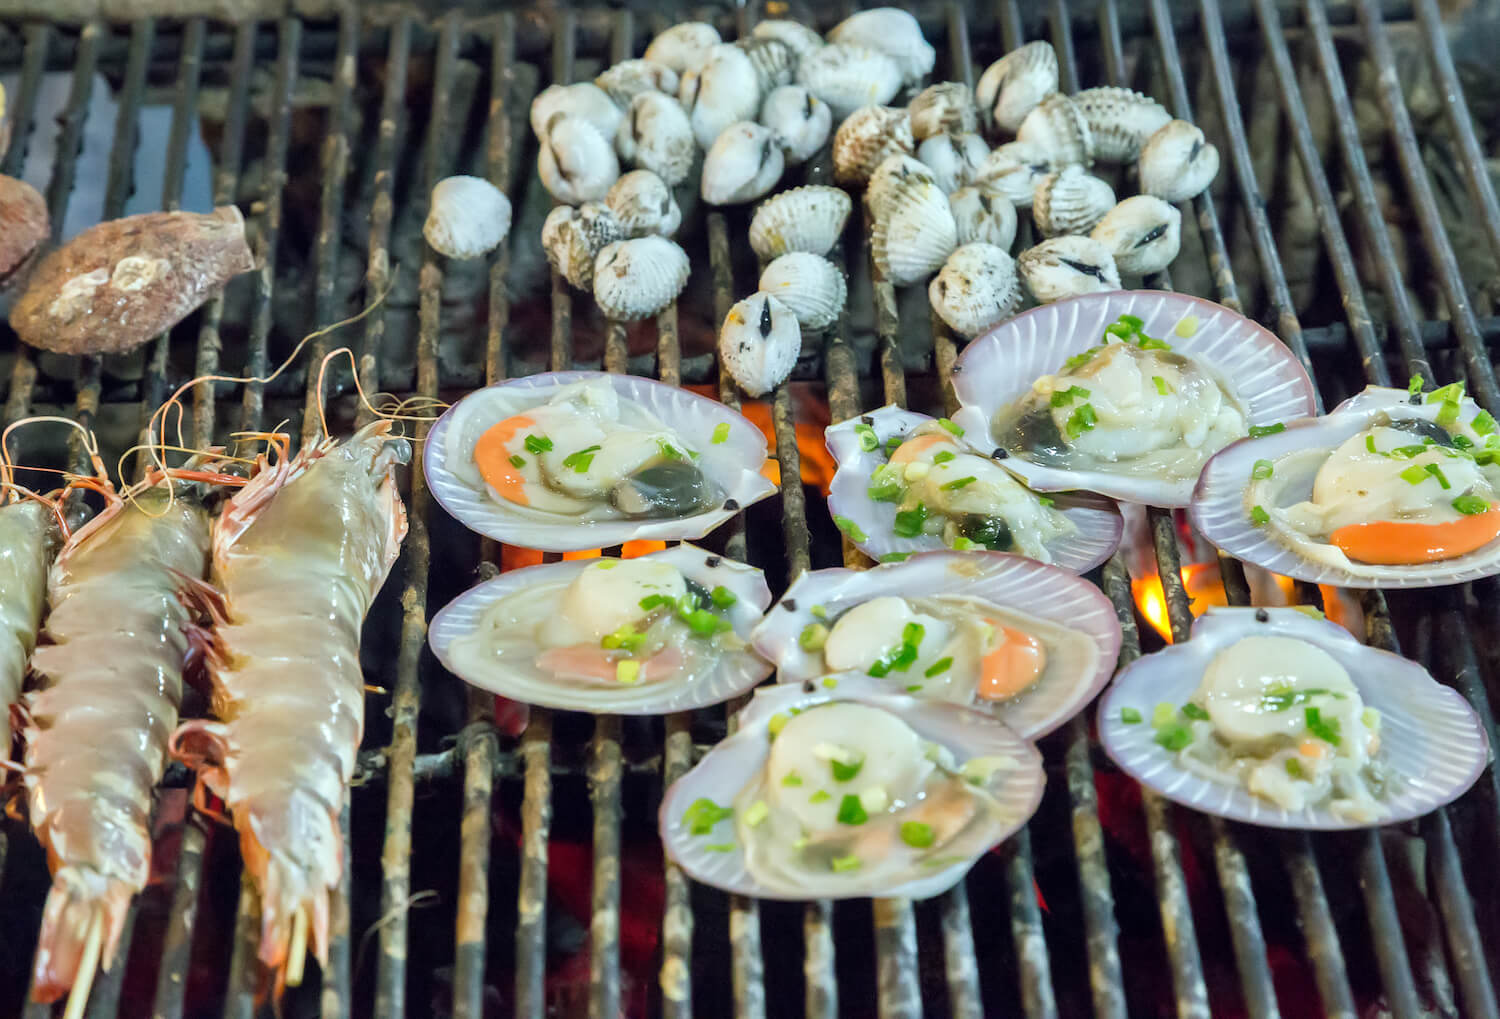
(576, 163)
(799, 37)
(810, 285)
(1143, 233)
(629, 78)
(894, 32)
(744, 163)
(725, 91)
(637, 278)
(1057, 127)
(914, 231)
(573, 237)
(810, 218)
(1015, 169)
(583, 100)
(894, 178)
(1120, 121)
(685, 46)
(1014, 85)
(1070, 201)
(976, 289)
(1067, 266)
(983, 214)
(945, 108)
(800, 121)
(759, 343)
(955, 159)
(848, 77)
(643, 204)
(657, 136)
(774, 61)
(468, 217)
(868, 137)
(1177, 163)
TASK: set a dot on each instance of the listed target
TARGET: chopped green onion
(900, 658)
(1370, 444)
(1130, 716)
(1325, 729)
(538, 444)
(962, 544)
(722, 597)
(1414, 475)
(895, 557)
(1414, 386)
(1063, 397)
(721, 433)
(1437, 472)
(1163, 714)
(1447, 414)
(830, 683)
(652, 601)
(1294, 768)
(821, 796)
(938, 667)
(956, 483)
(1079, 360)
(628, 671)
(776, 723)
(886, 484)
(1161, 385)
(705, 624)
(1407, 452)
(850, 528)
(819, 612)
(580, 460)
(950, 426)
(756, 813)
(868, 440)
(722, 847)
(851, 811)
(702, 814)
(942, 456)
(518, 462)
(1483, 423)
(812, 637)
(1262, 470)
(1463, 442)
(1471, 505)
(626, 638)
(891, 445)
(1134, 322)
(792, 780)
(1194, 712)
(909, 522)
(914, 688)
(1259, 517)
(1261, 431)
(916, 834)
(1046, 500)
(670, 451)
(1152, 343)
(843, 863)
(1453, 392)
(1082, 419)
(1174, 737)
(1370, 717)
(845, 771)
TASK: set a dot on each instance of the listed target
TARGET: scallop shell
(810, 285)
(955, 159)
(724, 92)
(576, 163)
(1009, 581)
(759, 343)
(573, 237)
(976, 289)
(1014, 85)
(1218, 504)
(1177, 163)
(775, 62)
(1067, 266)
(1097, 520)
(800, 121)
(982, 213)
(866, 138)
(945, 108)
(525, 683)
(657, 136)
(583, 100)
(629, 78)
(734, 465)
(1120, 120)
(468, 217)
(24, 223)
(1432, 740)
(1142, 232)
(637, 278)
(892, 178)
(1057, 127)
(643, 204)
(849, 77)
(915, 234)
(1015, 169)
(1070, 201)
(744, 163)
(999, 368)
(893, 32)
(809, 218)
(683, 47)
(799, 37)
(726, 769)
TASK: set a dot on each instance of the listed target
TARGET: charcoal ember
(117, 285)
(24, 223)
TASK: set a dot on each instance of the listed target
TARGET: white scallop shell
(1177, 163)
(977, 288)
(582, 100)
(1067, 266)
(629, 78)
(724, 92)
(892, 179)
(734, 465)
(683, 47)
(1070, 201)
(1014, 85)
(800, 121)
(1097, 522)
(643, 204)
(468, 217)
(999, 368)
(576, 163)
(775, 62)
(1219, 511)
(893, 32)
(945, 108)
(799, 37)
(983, 214)
(914, 234)
(809, 218)
(849, 77)
(1430, 738)
(1009, 581)
(1056, 126)
(810, 285)
(523, 682)
(637, 278)
(1015, 169)
(744, 163)
(868, 137)
(572, 238)
(1120, 120)
(955, 159)
(656, 135)
(759, 343)
(1143, 232)
(726, 769)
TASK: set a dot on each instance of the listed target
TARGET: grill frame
(485, 760)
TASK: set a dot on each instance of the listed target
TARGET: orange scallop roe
(1013, 666)
(492, 458)
(1406, 543)
(914, 447)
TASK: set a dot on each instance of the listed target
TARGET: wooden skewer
(88, 965)
(296, 955)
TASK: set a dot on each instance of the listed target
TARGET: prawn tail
(81, 927)
(295, 879)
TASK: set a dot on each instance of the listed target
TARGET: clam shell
(955, 159)
(656, 135)
(759, 343)
(810, 285)
(1096, 519)
(799, 37)
(1219, 511)
(583, 100)
(983, 214)
(573, 237)
(893, 32)
(913, 237)
(868, 137)
(744, 163)
(999, 368)
(1014, 85)
(724, 92)
(849, 77)
(945, 108)
(637, 278)
(775, 62)
(800, 121)
(976, 289)
(1070, 201)
(1067, 266)
(895, 176)
(684, 46)
(807, 219)
(643, 204)
(629, 78)
(468, 217)
(24, 223)
(726, 769)
(525, 683)
(1120, 120)
(1014, 582)
(733, 464)
(1430, 738)
(1143, 233)
(1057, 127)
(1177, 163)
(576, 163)
(1015, 169)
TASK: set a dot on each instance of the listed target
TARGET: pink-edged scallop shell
(1430, 737)
(527, 684)
(1219, 511)
(728, 767)
(1000, 367)
(734, 464)
(1013, 582)
(1097, 522)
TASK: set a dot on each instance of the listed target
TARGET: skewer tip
(297, 953)
(88, 965)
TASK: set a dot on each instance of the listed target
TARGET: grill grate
(1112, 925)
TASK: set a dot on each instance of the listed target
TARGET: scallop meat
(759, 343)
(656, 135)
(744, 163)
(1016, 84)
(577, 164)
(1067, 266)
(800, 121)
(983, 214)
(976, 289)
(849, 77)
(634, 279)
(1142, 232)
(944, 108)
(893, 32)
(1070, 201)
(1057, 127)
(955, 159)
(1177, 163)
(468, 217)
(809, 218)
(866, 138)
(810, 285)
(1120, 120)
(643, 204)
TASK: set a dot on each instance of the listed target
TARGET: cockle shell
(1056, 126)
(893, 32)
(656, 135)
(1120, 120)
(724, 91)
(24, 222)
(583, 100)
(914, 233)
(125, 281)
(976, 288)
(744, 163)
(983, 213)
(576, 163)
(1067, 266)
(759, 343)
(866, 138)
(468, 217)
(1015, 169)
(1070, 202)
(573, 237)
(849, 77)
(1014, 85)
(643, 204)
(774, 61)
(1143, 232)
(1177, 162)
(629, 78)
(807, 219)
(683, 47)
(637, 278)
(800, 121)
(945, 108)
(891, 177)
(799, 37)
(809, 284)
(955, 159)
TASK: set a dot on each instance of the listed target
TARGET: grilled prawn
(26, 544)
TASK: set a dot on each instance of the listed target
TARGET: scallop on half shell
(644, 205)
(976, 289)
(634, 279)
(983, 214)
(572, 238)
(868, 137)
(1143, 233)
(759, 343)
(1067, 266)
(1177, 163)
(744, 163)
(656, 135)
(1070, 201)
(816, 631)
(1014, 85)
(1430, 747)
(848, 77)
(894, 32)
(810, 285)
(800, 121)
(468, 217)
(967, 780)
(810, 218)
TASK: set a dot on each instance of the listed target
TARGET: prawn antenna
(426, 408)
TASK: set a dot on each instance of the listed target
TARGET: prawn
(26, 546)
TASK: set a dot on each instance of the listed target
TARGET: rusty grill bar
(402, 107)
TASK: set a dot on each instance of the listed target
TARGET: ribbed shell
(1120, 121)
(976, 288)
(914, 234)
(583, 99)
(1015, 169)
(945, 108)
(1143, 232)
(774, 61)
(955, 159)
(643, 204)
(983, 213)
(800, 121)
(1067, 267)
(1177, 163)
(656, 135)
(1070, 202)
(629, 78)
(468, 217)
(744, 163)
(573, 237)
(1014, 85)
(807, 219)
(637, 278)
(849, 77)
(799, 37)
(864, 140)
(1057, 127)
(809, 284)
(893, 32)
(683, 47)
(726, 90)
(759, 343)
(891, 178)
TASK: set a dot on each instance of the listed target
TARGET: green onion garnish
(909, 522)
(868, 440)
(951, 427)
(1174, 737)
(1370, 444)
(1414, 386)
(850, 528)
(949, 486)
(1471, 505)
(1194, 712)
(942, 456)
(843, 863)
(721, 433)
(703, 814)
(1163, 714)
(1325, 729)
(1063, 397)
(845, 772)
(1407, 452)
(1161, 385)
(1082, 419)
(518, 462)
(1447, 414)
(791, 780)
(1437, 472)
(1130, 716)
(1483, 423)
(580, 460)
(891, 445)
(916, 834)
(1414, 475)
(1453, 392)
(1294, 766)
(895, 557)
(722, 597)
(821, 796)
(756, 813)
(851, 811)
(1262, 470)
(538, 444)
(1259, 517)
(938, 667)
(1261, 431)
(722, 847)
